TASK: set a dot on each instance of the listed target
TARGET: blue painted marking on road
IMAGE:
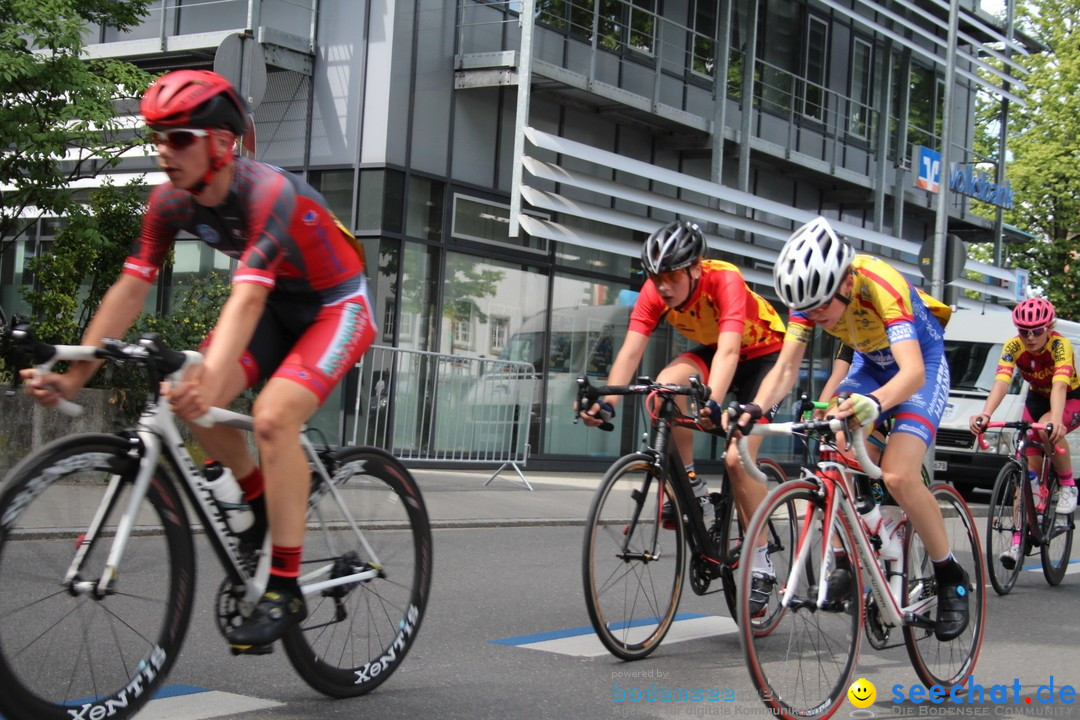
(576, 632)
(177, 690)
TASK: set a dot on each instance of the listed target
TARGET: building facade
(502, 161)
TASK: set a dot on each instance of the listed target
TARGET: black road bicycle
(632, 567)
(97, 559)
(1016, 507)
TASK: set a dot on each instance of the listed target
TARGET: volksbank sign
(962, 179)
(978, 185)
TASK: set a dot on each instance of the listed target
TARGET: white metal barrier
(424, 406)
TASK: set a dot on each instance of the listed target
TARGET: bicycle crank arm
(643, 557)
(359, 577)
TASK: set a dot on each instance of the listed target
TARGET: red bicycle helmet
(194, 99)
(1034, 313)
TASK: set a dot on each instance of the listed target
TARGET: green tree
(192, 314)
(57, 109)
(1044, 168)
(83, 261)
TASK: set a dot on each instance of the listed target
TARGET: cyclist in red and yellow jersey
(740, 334)
(298, 314)
(1045, 359)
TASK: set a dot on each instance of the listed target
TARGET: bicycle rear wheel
(357, 634)
(65, 651)
(632, 568)
(1057, 531)
(803, 668)
(936, 662)
(1005, 517)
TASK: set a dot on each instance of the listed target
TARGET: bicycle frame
(1027, 500)
(835, 481)
(156, 437)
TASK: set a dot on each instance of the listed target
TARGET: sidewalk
(454, 498)
(459, 498)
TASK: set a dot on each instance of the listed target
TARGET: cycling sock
(948, 571)
(252, 485)
(285, 562)
(1066, 479)
(698, 485)
(762, 561)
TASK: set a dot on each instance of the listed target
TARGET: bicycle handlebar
(588, 394)
(148, 352)
(834, 425)
(1022, 425)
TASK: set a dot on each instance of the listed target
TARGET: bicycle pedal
(251, 649)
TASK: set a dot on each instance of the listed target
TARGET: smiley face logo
(862, 693)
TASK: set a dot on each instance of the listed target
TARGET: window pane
(817, 41)
(336, 187)
(861, 64)
(381, 194)
(488, 221)
(705, 33)
(425, 210)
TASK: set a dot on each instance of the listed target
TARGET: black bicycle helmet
(675, 246)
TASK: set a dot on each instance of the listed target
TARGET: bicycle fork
(148, 461)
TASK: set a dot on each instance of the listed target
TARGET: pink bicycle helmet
(1033, 313)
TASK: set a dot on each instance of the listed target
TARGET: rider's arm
(725, 360)
(840, 368)
(779, 381)
(233, 331)
(119, 309)
(1058, 393)
(626, 361)
(997, 393)
(910, 375)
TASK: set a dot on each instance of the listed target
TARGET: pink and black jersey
(274, 223)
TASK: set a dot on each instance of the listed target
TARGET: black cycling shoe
(761, 587)
(276, 612)
(838, 587)
(952, 607)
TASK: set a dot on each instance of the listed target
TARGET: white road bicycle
(97, 559)
(803, 668)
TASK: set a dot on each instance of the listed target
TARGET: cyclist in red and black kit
(740, 334)
(298, 314)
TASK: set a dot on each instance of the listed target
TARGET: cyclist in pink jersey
(1045, 360)
(298, 315)
(740, 335)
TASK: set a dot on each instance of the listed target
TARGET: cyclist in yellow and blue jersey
(898, 370)
(740, 334)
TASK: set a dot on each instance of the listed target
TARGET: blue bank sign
(963, 179)
(977, 184)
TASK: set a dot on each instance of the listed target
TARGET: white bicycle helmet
(673, 247)
(811, 266)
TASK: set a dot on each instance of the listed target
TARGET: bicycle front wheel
(1006, 518)
(936, 662)
(1057, 532)
(632, 568)
(803, 668)
(374, 526)
(67, 650)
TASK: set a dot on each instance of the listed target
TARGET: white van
(973, 342)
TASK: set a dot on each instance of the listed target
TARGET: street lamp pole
(941, 226)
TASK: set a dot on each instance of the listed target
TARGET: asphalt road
(494, 584)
